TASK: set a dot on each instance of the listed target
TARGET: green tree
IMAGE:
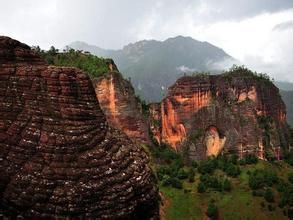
(227, 185)
(194, 164)
(182, 174)
(191, 175)
(251, 159)
(212, 211)
(201, 187)
(232, 170)
(268, 195)
(289, 157)
(207, 166)
(290, 177)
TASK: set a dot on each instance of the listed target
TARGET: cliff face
(122, 109)
(58, 157)
(237, 113)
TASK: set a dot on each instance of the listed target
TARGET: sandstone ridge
(58, 156)
(238, 112)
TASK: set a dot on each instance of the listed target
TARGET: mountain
(152, 66)
(286, 91)
(288, 99)
(286, 86)
(79, 45)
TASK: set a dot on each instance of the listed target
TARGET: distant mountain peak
(153, 65)
(180, 38)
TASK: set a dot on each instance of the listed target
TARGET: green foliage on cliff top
(243, 72)
(93, 65)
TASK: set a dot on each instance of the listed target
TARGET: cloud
(185, 69)
(224, 64)
(252, 31)
(284, 26)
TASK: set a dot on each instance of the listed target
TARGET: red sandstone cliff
(122, 109)
(237, 112)
(58, 157)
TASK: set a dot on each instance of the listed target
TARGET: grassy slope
(237, 204)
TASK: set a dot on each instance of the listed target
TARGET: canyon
(71, 142)
(237, 113)
(59, 158)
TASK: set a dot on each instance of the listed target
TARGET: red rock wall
(155, 119)
(58, 157)
(230, 105)
(122, 109)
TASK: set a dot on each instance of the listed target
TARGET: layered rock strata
(58, 156)
(121, 107)
(236, 113)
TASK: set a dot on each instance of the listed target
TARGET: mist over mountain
(152, 66)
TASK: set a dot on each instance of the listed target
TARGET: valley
(217, 146)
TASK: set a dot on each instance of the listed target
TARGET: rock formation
(238, 112)
(122, 108)
(58, 156)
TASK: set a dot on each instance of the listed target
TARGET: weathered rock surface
(58, 156)
(121, 107)
(236, 113)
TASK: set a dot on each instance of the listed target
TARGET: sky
(258, 33)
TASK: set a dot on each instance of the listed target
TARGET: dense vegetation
(93, 65)
(244, 72)
(224, 187)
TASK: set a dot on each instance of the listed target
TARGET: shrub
(227, 185)
(201, 187)
(289, 158)
(211, 182)
(251, 159)
(232, 170)
(257, 193)
(234, 159)
(172, 181)
(166, 180)
(268, 195)
(260, 178)
(207, 166)
(165, 170)
(194, 164)
(176, 183)
(287, 196)
(290, 213)
(290, 177)
(191, 175)
(242, 162)
(182, 174)
(212, 210)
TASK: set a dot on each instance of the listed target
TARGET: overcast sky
(259, 33)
